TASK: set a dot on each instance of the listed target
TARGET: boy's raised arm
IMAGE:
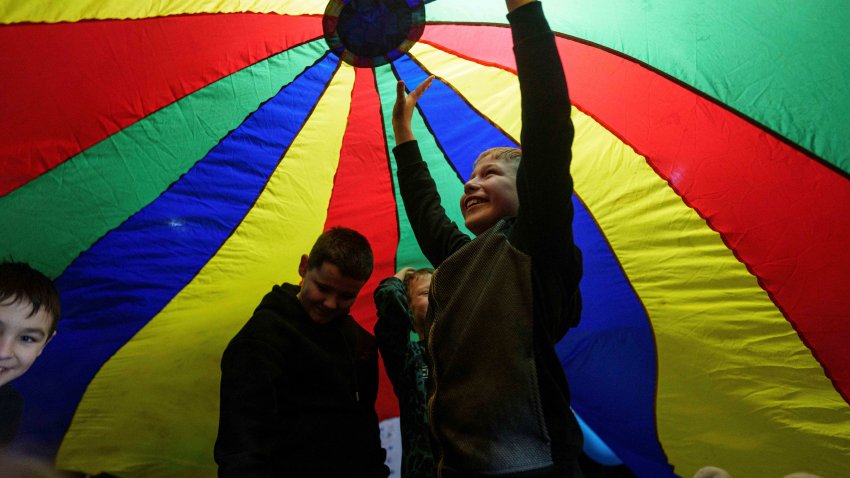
(437, 235)
(403, 110)
(544, 184)
(392, 330)
(544, 227)
(514, 4)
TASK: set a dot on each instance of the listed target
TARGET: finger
(398, 107)
(422, 87)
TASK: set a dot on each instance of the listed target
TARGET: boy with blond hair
(498, 400)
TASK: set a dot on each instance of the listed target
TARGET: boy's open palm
(514, 4)
(403, 109)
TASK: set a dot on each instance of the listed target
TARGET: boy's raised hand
(514, 4)
(403, 109)
(404, 272)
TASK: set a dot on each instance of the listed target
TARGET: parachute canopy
(168, 162)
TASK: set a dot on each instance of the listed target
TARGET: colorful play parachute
(168, 162)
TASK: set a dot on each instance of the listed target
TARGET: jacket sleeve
(437, 235)
(544, 185)
(248, 426)
(392, 333)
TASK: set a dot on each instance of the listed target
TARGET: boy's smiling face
(490, 194)
(22, 337)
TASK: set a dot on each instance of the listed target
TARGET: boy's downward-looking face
(23, 336)
(490, 193)
(325, 292)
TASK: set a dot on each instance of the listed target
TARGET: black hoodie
(298, 397)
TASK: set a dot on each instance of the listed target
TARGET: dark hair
(19, 281)
(344, 248)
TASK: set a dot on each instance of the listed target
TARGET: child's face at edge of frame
(22, 337)
(418, 298)
(490, 194)
(326, 293)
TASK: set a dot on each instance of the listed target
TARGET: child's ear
(302, 267)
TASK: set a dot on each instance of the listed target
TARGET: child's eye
(28, 339)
